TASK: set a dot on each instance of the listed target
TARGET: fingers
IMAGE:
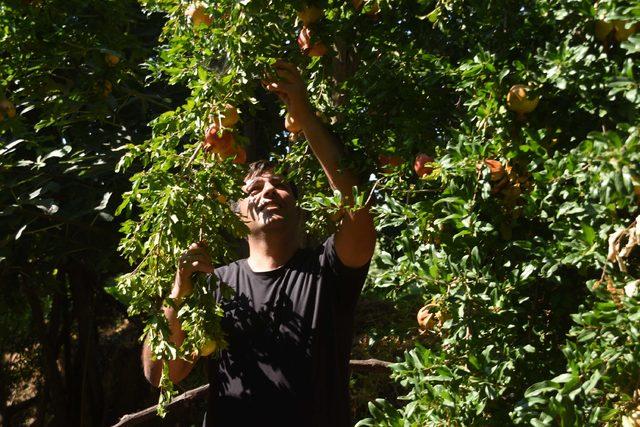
(273, 86)
(194, 252)
(187, 260)
(279, 89)
(196, 263)
(273, 78)
(196, 258)
(200, 244)
(281, 75)
(290, 76)
(285, 72)
(193, 255)
(203, 267)
(288, 67)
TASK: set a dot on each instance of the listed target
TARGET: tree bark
(87, 395)
(4, 383)
(53, 388)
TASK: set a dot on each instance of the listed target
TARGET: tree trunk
(4, 392)
(53, 389)
(87, 396)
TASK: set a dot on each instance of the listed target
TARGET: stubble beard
(263, 217)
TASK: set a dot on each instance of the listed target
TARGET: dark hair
(261, 166)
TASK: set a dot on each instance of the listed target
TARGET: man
(290, 322)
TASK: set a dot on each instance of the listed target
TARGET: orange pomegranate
(308, 45)
(426, 319)
(420, 164)
(623, 30)
(7, 108)
(240, 156)
(197, 14)
(520, 100)
(310, 15)
(111, 59)
(230, 116)
(217, 143)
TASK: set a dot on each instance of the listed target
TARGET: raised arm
(355, 238)
(195, 259)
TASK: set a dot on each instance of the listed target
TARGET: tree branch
(369, 365)
(186, 398)
(179, 402)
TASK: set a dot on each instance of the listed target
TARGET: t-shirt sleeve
(347, 281)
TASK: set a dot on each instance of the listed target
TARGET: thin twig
(371, 192)
(424, 190)
(193, 156)
(42, 229)
(140, 263)
(475, 190)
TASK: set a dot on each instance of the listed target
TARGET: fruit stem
(193, 156)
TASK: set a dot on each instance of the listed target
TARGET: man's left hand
(290, 87)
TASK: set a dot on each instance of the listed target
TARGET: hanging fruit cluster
(219, 138)
(308, 39)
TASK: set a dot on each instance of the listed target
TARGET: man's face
(269, 203)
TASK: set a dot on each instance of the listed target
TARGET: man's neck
(268, 251)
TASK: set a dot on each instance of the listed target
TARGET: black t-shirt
(290, 333)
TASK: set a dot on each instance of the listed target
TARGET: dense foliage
(72, 93)
(514, 240)
(503, 254)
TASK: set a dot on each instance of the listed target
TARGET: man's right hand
(193, 260)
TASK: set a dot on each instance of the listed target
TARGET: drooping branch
(369, 365)
(187, 398)
(182, 401)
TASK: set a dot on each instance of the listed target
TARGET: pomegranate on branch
(308, 43)
(520, 100)
(310, 15)
(421, 165)
(197, 14)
